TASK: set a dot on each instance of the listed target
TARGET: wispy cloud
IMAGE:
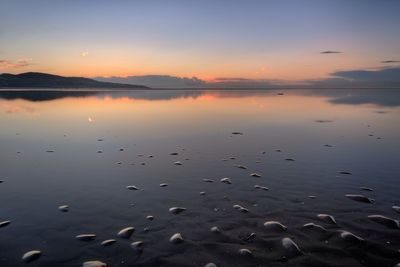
(390, 61)
(331, 52)
(20, 63)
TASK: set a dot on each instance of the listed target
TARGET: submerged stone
(291, 247)
(215, 229)
(4, 223)
(275, 226)
(386, 221)
(345, 235)
(360, 198)
(176, 210)
(327, 218)
(137, 245)
(176, 238)
(261, 187)
(245, 252)
(86, 237)
(64, 208)
(94, 264)
(108, 242)
(126, 232)
(226, 180)
(314, 226)
(31, 255)
(132, 187)
(240, 208)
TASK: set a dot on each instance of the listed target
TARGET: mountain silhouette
(44, 80)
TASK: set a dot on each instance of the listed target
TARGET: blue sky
(279, 39)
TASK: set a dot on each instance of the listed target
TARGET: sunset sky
(274, 40)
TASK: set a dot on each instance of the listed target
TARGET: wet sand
(50, 198)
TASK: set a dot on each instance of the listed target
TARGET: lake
(310, 148)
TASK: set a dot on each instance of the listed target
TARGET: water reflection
(382, 97)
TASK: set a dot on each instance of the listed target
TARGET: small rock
(245, 252)
(291, 247)
(274, 225)
(174, 153)
(208, 180)
(241, 167)
(215, 229)
(289, 159)
(64, 208)
(126, 232)
(176, 238)
(255, 175)
(366, 189)
(132, 187)
(261, 187)
(240, 208)
(137, 245)
(94, 264)
(396, 208)
(177, 163)
(226, 180)
(327, 218)
(345, 235)
(108, 242)
(202, 193)
(210, 264)
(4, 223)
(150, 217)
(360, 198)
(86, 237)
(388, 222)
(345, 172)
(163, 185)
(237, 133)
(314, 226)
(31, 255)
(176, 210)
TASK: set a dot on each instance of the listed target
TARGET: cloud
(157, 81)
(84, 53)
(390, 61)
(331, 52)
(20, 63)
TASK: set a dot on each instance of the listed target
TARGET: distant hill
(37, 80)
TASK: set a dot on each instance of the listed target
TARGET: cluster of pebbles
(289, 247)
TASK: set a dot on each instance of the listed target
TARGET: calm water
(323, 131)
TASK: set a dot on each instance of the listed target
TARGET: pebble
(396, 208)
(176, 238)
(327, 218)
(126, 232)
(261, 187)
(86, 237)
(366, 189)
(274, 225)
(360, 198)
(255, 175)
(31, 255)
(215, 229)
(176, 210)
(4, 223)
(245, 252)
(345, 235)
(64, 208)
(241, 167)
(388, 222)
(177, 163)
(150, 217)
(240, 208)
(163, 185)
(137, 245)
(314, 226)
(108, 242)
(290, 246)
(132, 187)
(226, 180)
(94, 264)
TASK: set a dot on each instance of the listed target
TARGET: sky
(213, 41)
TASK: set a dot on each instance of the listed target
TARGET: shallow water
(325, 132)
